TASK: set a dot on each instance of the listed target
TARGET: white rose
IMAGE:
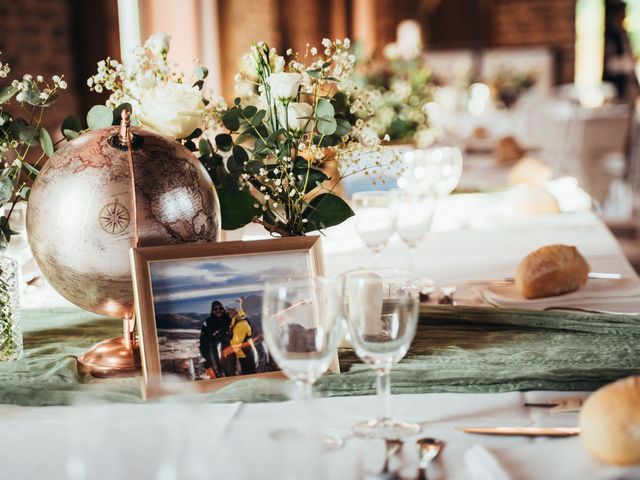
(158, 43)
(173, 109)
(297, 115)
(248, 67)
(284, 86)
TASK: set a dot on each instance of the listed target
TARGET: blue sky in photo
(185, 286)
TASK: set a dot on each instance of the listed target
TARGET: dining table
(475, 238)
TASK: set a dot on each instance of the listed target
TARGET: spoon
(393, 446)
(430, 448)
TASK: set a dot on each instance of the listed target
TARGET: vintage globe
(80, 217)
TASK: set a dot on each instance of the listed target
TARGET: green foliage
(326, 210)
(45, 142)
(99, 117)
(7, 93)
(71, 127)
(237, 206)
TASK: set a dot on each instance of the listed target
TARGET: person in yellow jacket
(241, 339)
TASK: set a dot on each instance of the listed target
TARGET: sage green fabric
(456, 349)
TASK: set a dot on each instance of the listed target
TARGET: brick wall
(537, 23)
(36, 39)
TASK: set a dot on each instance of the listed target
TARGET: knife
(511, 280)
(525, 431)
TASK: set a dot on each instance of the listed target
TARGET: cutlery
(430, 448)
(392, 446)
(525, 431)
(511, 280)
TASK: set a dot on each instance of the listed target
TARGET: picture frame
(179, 288)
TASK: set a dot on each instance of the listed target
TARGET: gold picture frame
(158, 268)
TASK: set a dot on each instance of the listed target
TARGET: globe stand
(116, 357)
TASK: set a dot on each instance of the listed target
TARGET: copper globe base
(116, 357)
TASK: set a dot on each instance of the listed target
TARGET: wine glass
(381, 308)
(374, 218)
(415, 210)
(436, 169)
(302, 323)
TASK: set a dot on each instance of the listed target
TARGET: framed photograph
(199, 307)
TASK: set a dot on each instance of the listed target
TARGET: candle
(589, 51)
(409, 39)
(129, 23)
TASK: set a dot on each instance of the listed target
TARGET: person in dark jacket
(214, 337)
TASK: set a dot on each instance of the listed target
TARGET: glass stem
(305, 390)
(383, 387)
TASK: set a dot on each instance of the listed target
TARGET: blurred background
(552, 80)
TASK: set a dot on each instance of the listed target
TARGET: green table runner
(456, 349)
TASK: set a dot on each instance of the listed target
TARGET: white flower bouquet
(159, 98)
(293, 116)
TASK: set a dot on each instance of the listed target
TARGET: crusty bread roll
(610, 422)
(529, 170)
(508, 151)
(551, 270)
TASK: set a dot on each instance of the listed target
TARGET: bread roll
(610, 422)
(508, 151)
(551, 270)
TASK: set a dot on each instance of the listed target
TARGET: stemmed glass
(415, 210)
(381, 308)
(302, 320)
(436, 169)
(374, 219)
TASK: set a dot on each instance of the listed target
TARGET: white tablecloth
(474, 238)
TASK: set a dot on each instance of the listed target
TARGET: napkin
(483, 465)
(606, 295)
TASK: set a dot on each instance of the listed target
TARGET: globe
(80, 219)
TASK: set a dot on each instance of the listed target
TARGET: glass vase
(10, 328)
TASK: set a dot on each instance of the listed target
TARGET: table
(475, 238)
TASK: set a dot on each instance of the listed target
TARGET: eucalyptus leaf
(327, 125)
(70, 134)
(199, 84)
(191, 145)
(71, 124)
(315, 73)
(236, 206)
(340, 102)
(324, 108)
(201, 72)
(205, 148)
(195, 134)
(7, 93)
(6, 189)
(244, 136)
(325, 210)
(46, 143)
(231, 119)
(240, 154)
(258, 117)
(17, 126)
(249, 111)
(234, 165)
(30, 169)
(342, 127)
(224, 142)
(99, 117)
(30, 135)
(25, 192)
